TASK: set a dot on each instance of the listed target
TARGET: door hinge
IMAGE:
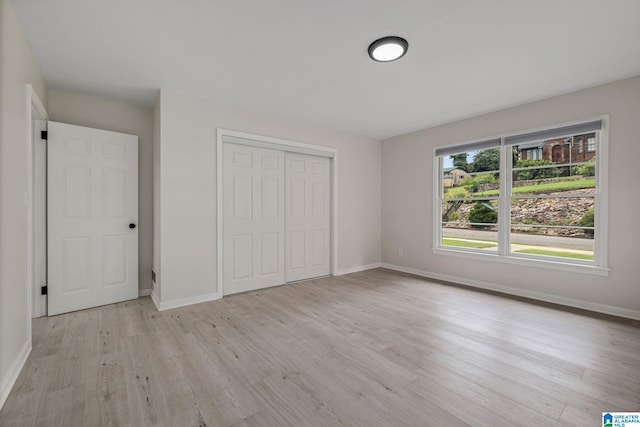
(43, 290)
(44, 134)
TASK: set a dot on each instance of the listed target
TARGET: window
(523, 208)
(533, 154)
(580, 149)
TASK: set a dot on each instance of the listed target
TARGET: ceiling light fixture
(388, 49)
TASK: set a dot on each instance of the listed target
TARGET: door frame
(284, 145)
(35, 111)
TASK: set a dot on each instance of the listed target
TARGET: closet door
(253, 218)
(307, 218)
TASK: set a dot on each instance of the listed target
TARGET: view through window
(531, 195)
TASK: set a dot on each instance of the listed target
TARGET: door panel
(308, 220)
(92, 198)
(253, 218)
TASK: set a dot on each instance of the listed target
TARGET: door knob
(132, 226)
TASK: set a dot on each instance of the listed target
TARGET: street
(524, 239)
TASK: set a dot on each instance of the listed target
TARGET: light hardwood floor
(377, 348)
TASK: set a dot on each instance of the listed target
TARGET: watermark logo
(621, 419)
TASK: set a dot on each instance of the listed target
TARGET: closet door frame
(262, 141)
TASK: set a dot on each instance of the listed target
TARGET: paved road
(525, 239)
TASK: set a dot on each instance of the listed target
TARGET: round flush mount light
(388, 49)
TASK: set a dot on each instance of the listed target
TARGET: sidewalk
(516, 247)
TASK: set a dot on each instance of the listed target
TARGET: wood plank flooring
(376, 348)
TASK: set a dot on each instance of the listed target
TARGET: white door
(308, 216)
(253, 218)
(92, 217)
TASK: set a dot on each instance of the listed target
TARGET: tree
(460, 161)
(486, 160)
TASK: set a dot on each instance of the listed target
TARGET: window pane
(560, 227)
(552, 242)
(485, 240)
(470, 224)
(467, 174)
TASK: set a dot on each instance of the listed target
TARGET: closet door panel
(253, 218)
(308, 216)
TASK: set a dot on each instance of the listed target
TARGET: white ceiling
(307, 59)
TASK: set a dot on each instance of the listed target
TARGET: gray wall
(157, 170)
(100, 113)
(188, 189)
(17, 67)
(407, 201)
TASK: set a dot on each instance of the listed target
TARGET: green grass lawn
(466, 244)
(545, 188)
(556, 253)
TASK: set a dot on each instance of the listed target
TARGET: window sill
(528, 262)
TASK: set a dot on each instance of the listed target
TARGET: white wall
(17, 67)
(188, 189)
(407, 197)
(100, 113)
(157, 171)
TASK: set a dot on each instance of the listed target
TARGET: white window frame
(599, 266)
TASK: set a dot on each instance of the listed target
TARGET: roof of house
(527, 145)
(450, 170)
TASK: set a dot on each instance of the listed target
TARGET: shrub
(529, 174)
(483, 212)
(587, 220)
(588, 169)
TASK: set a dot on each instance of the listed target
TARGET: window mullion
(438, 166)
(504, 202)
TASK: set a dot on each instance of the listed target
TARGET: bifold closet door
(253, 218)
(308, 216)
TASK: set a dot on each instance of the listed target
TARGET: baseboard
(357, 269)
(540, 296)
(144, 292)
(12, 375)
(155, 299)
(181, 302)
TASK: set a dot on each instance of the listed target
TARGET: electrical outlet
(401, 252)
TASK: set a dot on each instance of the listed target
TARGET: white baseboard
(540, 296)
(155, 299)
(181, 302)
(357, 269)
(144, 292)
(12, 375)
